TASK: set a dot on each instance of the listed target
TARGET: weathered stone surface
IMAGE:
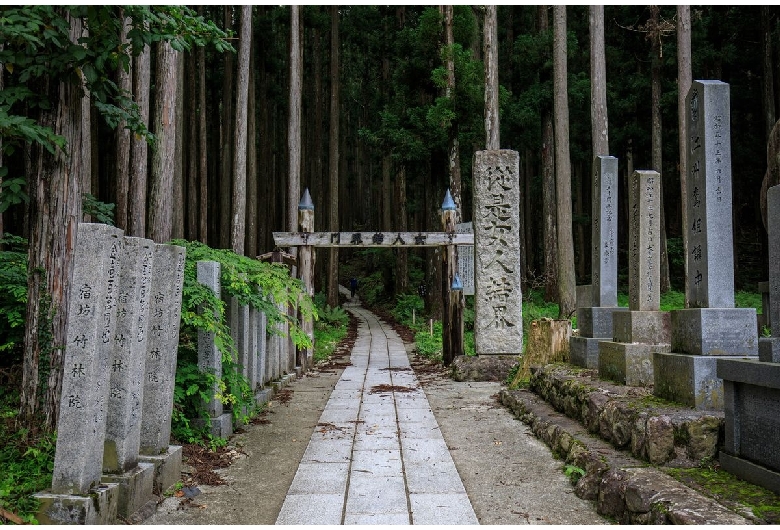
(769, 349)
(688, 379)
(483, 367)
(712, 331)
(498, 324)
(660, 439)
(703, 436)
(644, 271)
(604, 256)
(647, 327)
(616, 422)
(99, 507)
(596, 322)
(612, 494)
(628, 364)
(584, 296)
(584, 351)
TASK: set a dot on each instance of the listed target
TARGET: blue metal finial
(306, 203)
(457, 285)
(448, 203)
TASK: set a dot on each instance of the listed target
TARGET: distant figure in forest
(352, 287)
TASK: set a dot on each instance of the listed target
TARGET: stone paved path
(377, 455)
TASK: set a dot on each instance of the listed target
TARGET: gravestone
(498, 320)
(752, 388)
(642, 330)
(209, 356)
(123, 426)
(595, 323)
(77, 495)
(160, 371)
(712, 327)
(466, 259)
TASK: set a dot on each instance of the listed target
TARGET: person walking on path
(352, 287)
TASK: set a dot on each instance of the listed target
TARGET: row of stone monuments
(113, 451)
(707, 356)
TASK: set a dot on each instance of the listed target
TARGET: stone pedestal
(688, 379)
(638, 336)
(769, 349)
(594, 325)
(135, 489)
(715, 331)
(99, 507)
(167, 468)
(752, 397)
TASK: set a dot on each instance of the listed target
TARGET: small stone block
(750, 371)
(167, 468)
(97, 508)
(646, 327)
(596, 322)
(263, 395)
(628, 364)
(135, 488)
(584, 296)
(688, 379)
(715, 331)
(769, 349)
(584, 351)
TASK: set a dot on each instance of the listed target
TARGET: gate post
(452, 345)
(306, 270)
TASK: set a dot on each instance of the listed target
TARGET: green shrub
(13, 295)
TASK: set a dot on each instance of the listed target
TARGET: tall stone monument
(595, 323)
(78, 495)
(752, 387)
(712, 327)
(498, 321)
(127, 363)
(643, 329)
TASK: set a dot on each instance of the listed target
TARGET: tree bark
(684, 81)
(203, 174)
(226, 154)
(238, 224)
(252, 192)
(177, 227)
(598, 83)
(565, 246)
(333, 157)
(768, 71)
(125, 83)
(139, 165)
(160, 225)
(294, 123)
(492, 133)
(190, 133)
(55, 211)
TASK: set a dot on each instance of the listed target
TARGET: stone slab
(596, 322)
(644, 263)
(135, 488)
(750, 471)
(97, 508)
(584, 351)
(629, 364)
(604, 211)
(715, 331)
(769, 349)
(167, 468)
(441, 509)
(584, 296)
(221, 426)
(647, 327)
(688, 379)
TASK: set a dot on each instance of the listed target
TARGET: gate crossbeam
(371, 239)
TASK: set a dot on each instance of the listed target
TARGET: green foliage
(252, 282)
(13, 295)
(26, 461)
(428, 345)
(748, 299)
(12, 191)
(100, 211)
(573, 472)
(330, 329)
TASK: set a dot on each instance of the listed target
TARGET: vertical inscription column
(604, 236)
(644, 233)
(710, 235)
(85, 386)
(209, 356)
(161, 350)
(498, 326)
(123, 428)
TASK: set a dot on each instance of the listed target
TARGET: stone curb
(624, 488)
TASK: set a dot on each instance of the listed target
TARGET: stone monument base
(752, 395)
(167, 468)
(629, 364)
(135, 488)
(97, 508)
(584, 351)
(221, 426)
(769, 349)
(646, 327)
(596, 321)
(688, 379)
(715, 331)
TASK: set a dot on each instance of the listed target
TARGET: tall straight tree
(598, 83)
(294, 120)
(565, 246)
(203, 180)
(226, 141)
(492, 132)
(252, 185)
(139, 165)
(549, 210)
(177, 222)
(160, 224)
(684, 81)
(453, 147)
(333, 157)
(55, 210)
(238, 224)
